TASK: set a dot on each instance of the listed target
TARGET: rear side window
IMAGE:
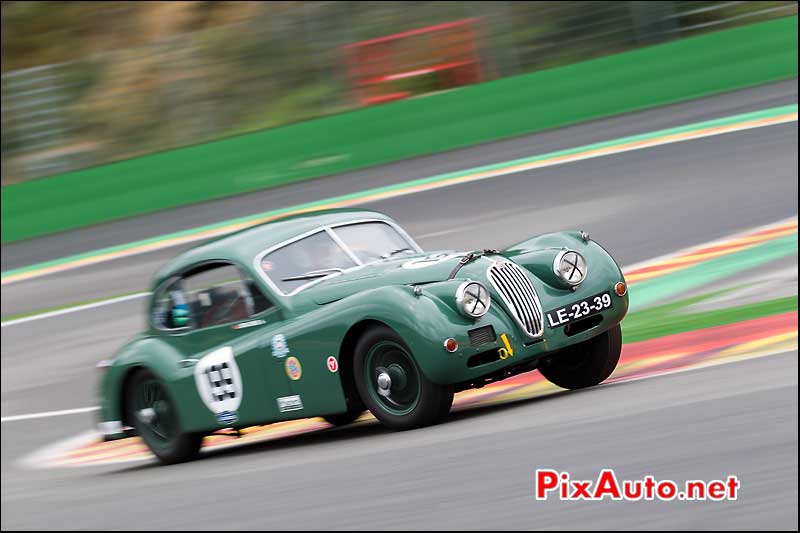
(210, 295)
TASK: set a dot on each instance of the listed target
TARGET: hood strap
(471, 256)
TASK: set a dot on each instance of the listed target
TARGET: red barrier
(379, 67)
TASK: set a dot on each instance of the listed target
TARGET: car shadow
(339, 435)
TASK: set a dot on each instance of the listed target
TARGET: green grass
(669, 319)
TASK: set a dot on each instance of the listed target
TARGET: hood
(406, 270)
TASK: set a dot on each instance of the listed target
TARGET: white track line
(75, 309)
(48, 414)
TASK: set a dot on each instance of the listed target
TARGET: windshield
(299, 263)
(308, 259)
(371, 241)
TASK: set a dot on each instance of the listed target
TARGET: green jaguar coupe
(331, 313)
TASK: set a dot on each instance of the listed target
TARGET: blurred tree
(130, 77)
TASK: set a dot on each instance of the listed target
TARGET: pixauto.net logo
(559, 485)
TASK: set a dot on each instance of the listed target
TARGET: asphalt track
(476, 470)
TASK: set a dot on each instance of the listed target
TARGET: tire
(159, 427)
(411, 400)
(586, 364)
(343, 419)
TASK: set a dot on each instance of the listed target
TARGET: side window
(220, 294)
(211, 295)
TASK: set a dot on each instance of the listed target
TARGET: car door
(221, 322)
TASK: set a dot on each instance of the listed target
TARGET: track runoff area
(692, 309)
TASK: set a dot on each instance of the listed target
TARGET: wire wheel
(155, 417)
(150, 410)
(393, 386)
(392, 377)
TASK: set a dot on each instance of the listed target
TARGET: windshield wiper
(398, 251)
(321, 273)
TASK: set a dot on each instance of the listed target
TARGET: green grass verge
(669, 319)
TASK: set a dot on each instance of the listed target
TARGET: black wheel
(152, 412)
(391, 384)
(342, 419)
(585, 364)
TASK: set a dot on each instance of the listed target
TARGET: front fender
(537, 256)
(424, 322)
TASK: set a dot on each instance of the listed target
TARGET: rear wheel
(585, 364)
(391, 384)
(152, 412)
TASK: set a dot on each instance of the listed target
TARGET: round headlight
(570, 266)
(473, 299)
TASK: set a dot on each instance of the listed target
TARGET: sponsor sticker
(280, 348)
(333, 364)
(289, 403)
(227, 417)
(218, 381)
(293, 368)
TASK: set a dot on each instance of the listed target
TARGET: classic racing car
(331, 313)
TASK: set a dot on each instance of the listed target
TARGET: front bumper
(512, 348)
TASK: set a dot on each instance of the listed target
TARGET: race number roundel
(333, 364)
(218, 381)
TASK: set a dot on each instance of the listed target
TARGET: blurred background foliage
(86, 83)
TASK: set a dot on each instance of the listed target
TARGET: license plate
(580, 309)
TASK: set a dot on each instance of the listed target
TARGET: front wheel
(391, 384)
(586, 364)
(152, 413)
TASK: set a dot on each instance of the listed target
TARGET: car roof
(242, 246)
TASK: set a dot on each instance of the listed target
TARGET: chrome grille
(517, 292)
